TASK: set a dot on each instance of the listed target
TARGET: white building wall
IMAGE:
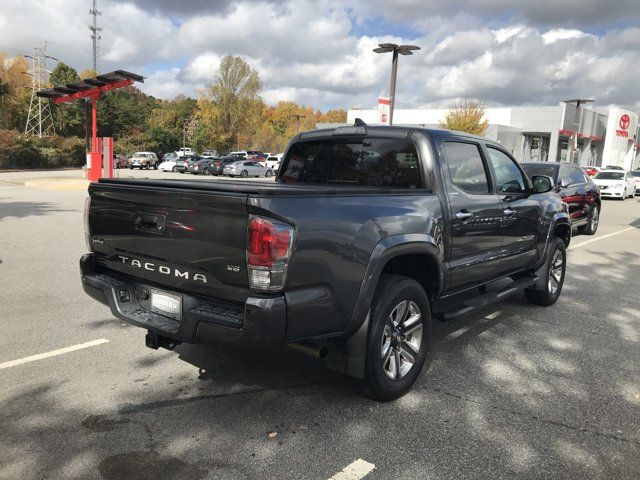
(431, 116)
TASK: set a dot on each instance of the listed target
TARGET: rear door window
(466, 167)
(377, 162)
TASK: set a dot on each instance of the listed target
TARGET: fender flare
(350, 356)
(559, 218)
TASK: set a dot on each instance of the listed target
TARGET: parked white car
(636, 178)
(169, 166)
(185, 151)
(271, 162)
(246, 168)
(615, 184)
(238, 153)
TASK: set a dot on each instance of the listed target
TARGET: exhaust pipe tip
(316, 351)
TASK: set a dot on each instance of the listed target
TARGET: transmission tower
(95, 33)
(39, 119)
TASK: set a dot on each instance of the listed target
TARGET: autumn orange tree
(466, 116)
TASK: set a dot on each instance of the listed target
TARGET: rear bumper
(260, 321)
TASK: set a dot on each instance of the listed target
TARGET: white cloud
(317, 52)
(562, 34)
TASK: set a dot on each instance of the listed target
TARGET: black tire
(543, 293)
(244, 174)
(592, 223)
(155, 166)
(268, 174)
(393, 291)
(181, 171)
(130, 168)
(174, 169)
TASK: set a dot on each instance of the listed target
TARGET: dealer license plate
(166, 303)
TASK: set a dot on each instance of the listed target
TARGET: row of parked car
(243, 163)
(236, 164)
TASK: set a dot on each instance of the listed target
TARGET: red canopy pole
(95, 170)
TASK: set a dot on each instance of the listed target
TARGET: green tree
(466, 116)
(68, 117)
(124, 111)
(234, 91)
(165, 124)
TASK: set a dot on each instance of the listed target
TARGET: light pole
(184, 134)
(576, 125)
(396, 49)
(297, 116)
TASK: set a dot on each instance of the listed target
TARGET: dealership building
(543, 134)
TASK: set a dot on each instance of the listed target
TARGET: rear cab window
(364, 161)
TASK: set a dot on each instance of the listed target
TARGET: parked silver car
(246, 168)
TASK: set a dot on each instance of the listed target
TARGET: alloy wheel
(595, 218)
(401, 339)
(555, 272)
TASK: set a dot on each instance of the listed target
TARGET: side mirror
(565, 182)
(542, 184)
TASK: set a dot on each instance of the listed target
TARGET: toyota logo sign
(624, 121)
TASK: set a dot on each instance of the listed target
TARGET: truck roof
(390, 131)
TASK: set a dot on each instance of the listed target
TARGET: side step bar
(484, 299)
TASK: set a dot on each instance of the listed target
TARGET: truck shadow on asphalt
(523, 393)
(28, 209)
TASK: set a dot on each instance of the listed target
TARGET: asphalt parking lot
(516, 391)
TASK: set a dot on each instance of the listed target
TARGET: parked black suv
(577, 190)
(366, 235)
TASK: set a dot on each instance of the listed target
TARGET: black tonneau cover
(248, 187)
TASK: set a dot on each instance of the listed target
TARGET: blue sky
(319, 52)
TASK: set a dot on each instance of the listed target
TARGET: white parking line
(354, 471)
(601, 238)
(53, 353)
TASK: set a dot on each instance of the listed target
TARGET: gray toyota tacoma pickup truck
(365, 237)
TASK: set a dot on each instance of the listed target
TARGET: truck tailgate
(178, 238)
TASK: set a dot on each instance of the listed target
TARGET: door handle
(508, 211)
(462, 215)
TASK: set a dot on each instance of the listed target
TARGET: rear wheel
(155, 166)
(550, 285)
(592, 224)
(399, 338)
(244, 174)
(174, 169)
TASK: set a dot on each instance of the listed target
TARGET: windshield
(610, 176)
(532, 169)
(376, 162)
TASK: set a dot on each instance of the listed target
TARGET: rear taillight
(85, 218)
(269, 245)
